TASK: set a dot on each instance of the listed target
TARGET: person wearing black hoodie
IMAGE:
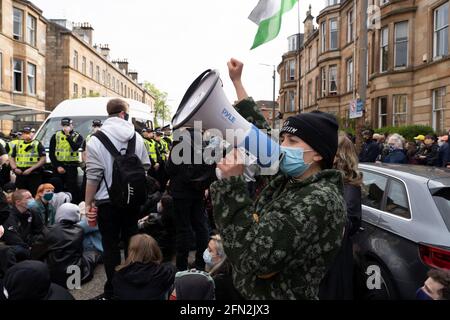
(30, 281)
(64, 244)
(24, 227)
(142, 276)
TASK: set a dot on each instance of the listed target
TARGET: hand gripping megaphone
(205, 101)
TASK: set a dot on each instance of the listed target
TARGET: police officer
(168, 136)
(163, 150)
(96, 125)
(65, 157)
(150, 146)
(27, 159)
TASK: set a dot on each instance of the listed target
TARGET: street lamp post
(274, 77)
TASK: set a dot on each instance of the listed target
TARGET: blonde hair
(347, 161)
(40, 190)
(142, 249)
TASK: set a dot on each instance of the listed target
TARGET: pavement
(92, 289)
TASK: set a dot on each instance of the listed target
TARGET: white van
(84, 111)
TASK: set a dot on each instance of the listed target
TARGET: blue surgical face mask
(293, 162)
(207, 257)
(48, 196)
(31, 203)
(422, 295)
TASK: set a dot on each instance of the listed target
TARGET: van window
(83, 125)
(373, 189)
(397, 200)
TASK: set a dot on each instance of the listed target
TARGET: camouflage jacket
(281, 245)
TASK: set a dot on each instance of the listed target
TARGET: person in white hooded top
(114, 224)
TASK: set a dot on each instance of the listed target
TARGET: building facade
(77, 69)
(22, 63)
(407, 75)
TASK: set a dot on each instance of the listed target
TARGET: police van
(84, 111)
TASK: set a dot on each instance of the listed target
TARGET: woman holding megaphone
(281, 245)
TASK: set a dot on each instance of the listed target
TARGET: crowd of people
(170, 231)
(427, 150)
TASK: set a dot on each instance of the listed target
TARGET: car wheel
(386, 290)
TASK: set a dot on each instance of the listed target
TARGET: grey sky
(171, 42)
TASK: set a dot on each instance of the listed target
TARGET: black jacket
(30, 280)
(23, 229)
(64, 248)
(370, 152)
(338, 282)
(144, 282)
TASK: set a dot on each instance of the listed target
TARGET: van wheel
(386, 291)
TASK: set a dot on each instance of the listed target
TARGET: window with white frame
(350, 77)
(292, 70)
(350, 20)
(440, 38)
(309, 93)
(31, 78)
(97, 74)
(31, 30)
(83, 65)
(91, 69)
(332, 75)
(382, 112)
(75, 90)
(83, 92)
(291, 101)
(323, 28)
(323, 76)
(310, 56)
(18, 75)
(439, 110)
(333, 34)
(286, 71)
(114, 83)
(75, 59)
(400, 110)
(401, 44)
(384, 47)
(18, 24)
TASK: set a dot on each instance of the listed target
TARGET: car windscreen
(442, 199)
(83, 125)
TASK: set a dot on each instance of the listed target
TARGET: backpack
(129, 184)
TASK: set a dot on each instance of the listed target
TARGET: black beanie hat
(317, 129)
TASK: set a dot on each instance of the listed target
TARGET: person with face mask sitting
(24, 226)
(65, 157)
(27, 159)
(281, 245)
(44, 207)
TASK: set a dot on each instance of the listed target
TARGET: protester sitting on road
(193, 285)
(396, 152)
(30, 281)
(64, 243)
(154, 196)
(44, 196)
(436, 287)
(24, 226)
(161, 226)
(301, 210)
(60, 197)
(214, 254)
(411, 151)
(338, 283)
(143, 276)
(8, 190)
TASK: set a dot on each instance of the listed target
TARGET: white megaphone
(205, 101)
